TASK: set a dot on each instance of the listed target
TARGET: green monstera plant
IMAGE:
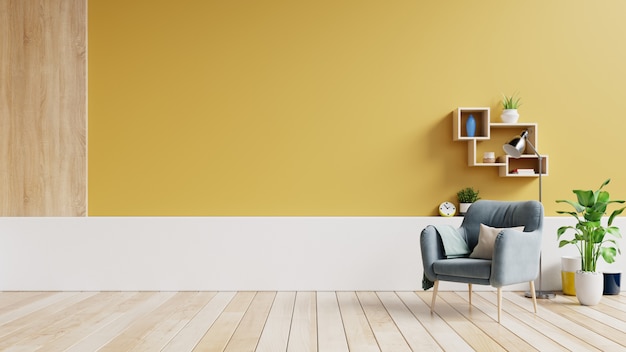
(589, 235)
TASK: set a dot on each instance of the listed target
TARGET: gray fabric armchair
(515, 257)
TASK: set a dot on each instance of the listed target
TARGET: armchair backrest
(501, 214)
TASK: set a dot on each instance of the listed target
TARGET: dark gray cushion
(464, 267)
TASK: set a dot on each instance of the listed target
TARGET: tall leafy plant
(589, 235)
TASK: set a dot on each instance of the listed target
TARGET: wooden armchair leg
(432, 303)
(532, 293)
(499, 302)
(469, 290)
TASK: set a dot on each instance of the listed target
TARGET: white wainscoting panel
(231, 253)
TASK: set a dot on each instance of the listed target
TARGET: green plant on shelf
(511, 102)
(467, 195)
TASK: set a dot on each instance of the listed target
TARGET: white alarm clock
(447, 209)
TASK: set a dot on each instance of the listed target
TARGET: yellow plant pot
(569, 283)
(569, 265)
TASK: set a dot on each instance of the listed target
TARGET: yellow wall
(342, 108)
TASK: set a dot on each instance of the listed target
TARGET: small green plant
(467, 195)
(589, 235)
(511, 102)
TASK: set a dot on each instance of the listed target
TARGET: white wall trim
(230, 253)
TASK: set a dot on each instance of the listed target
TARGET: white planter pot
(509, 115)
(589, 286)
(463, 208)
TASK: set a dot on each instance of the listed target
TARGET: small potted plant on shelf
(466, 197)
(510, 105)
(592, 239)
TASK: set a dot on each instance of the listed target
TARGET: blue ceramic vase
(470, 126)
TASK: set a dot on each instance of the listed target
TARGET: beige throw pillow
(486, 241)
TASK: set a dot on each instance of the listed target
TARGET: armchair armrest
(515, 257)
(432, 250)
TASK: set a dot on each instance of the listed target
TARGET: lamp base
(540, 295)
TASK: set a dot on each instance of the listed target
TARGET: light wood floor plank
(606, 326)
(304, 322)
(138, 333)
(612, 301)
(275, 335)
(465, 328)
(486, 320)
(47, 324)
(34, 305)
(608, 314)
(511, 320)
(584, 336)
(11, 300)
(445, 336)
(23, 327)
(516, 305)
(92, 315)
(611, 307)
(222, 330)
(133, 309)
(386, 332)
(606, 311)
(358, 331)
(620, 297)
(197, 327)
(415, 334)
(31, 315)
(171, 325)
(331, 334)
(247, 335)
(303, 333)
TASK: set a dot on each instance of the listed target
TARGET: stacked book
(523, 171)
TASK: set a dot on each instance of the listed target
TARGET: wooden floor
(304, 321)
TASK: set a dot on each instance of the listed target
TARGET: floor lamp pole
(539, 293)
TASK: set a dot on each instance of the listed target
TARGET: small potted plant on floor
(466, 197)
(510, 105)
(592, 239)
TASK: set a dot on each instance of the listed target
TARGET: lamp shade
(515, 147)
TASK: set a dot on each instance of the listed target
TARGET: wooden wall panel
(43, 123)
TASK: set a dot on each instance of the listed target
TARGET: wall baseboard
(231, 253)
